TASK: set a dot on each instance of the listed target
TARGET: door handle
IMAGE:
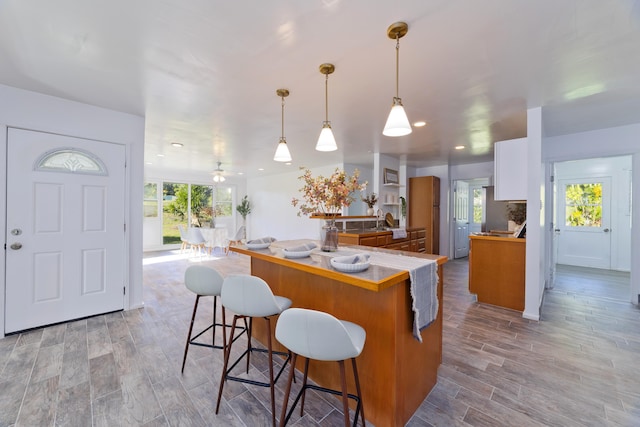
(606, 230)
(557, 230)
(15, 246)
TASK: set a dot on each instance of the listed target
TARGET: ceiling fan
(217, 178)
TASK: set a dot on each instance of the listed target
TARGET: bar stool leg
(272, 385)
(193, 318)
(360, 405)
(227, 354)
(345, 397)
(304, 385)
(287, 393)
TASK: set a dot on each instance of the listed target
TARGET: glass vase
(329, 236)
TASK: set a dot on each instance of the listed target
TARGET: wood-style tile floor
(577, 367)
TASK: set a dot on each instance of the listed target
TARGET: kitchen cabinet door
(510, 169)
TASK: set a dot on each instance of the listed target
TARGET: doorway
(592, 226)
(467, 208)
(65, 228)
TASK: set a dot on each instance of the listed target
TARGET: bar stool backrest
(203, 280)
(249, 296)
(318, 335)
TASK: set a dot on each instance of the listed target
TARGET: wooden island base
(396, 371)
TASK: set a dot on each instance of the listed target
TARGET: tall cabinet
(424, 209)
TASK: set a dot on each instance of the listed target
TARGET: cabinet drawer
(369, 241)
(382, 240)
(422, 234)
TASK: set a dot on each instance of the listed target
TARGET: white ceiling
(205, 72)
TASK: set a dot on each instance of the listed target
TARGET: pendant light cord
(326, 97)
(397, 65)
(282, 133)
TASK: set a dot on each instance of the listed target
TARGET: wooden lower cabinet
(497, 270)
(414, 242)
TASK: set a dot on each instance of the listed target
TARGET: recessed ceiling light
(420, 124)
(459, 147)
(176, 144)
(240, 173)
(148, 163)
(288, 163)
(160, 155)
(260, 169)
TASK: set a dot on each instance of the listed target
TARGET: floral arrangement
(370, 200)
(327, 195)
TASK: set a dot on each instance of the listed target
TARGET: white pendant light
(326, 141)
(282, 152)
(397, 122)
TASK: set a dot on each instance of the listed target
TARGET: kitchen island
(396, 371)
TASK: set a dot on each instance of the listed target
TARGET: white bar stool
(320, 336)
(204, 282)
(248, 297)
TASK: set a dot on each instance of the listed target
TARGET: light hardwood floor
(577, 367)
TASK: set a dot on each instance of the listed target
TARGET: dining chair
(237, 239)
(196, 240)
(184, 238)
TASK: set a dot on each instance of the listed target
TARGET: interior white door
(461, 209)
(65, 228)
(584, 222)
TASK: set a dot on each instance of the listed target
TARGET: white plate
(258, 245)
(350, 268)
(296, 254)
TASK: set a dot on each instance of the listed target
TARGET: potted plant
(516, 214)
(370, 200)
(403, 208)
(244, 209)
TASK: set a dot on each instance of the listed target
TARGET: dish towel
(399, 233)
(301, 248)
(423, 275)
(261, 240)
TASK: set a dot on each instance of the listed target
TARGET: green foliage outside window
(583, 205)
(477, 205)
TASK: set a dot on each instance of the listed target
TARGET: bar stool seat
(248, 297)
(320, 336)
(204, 281)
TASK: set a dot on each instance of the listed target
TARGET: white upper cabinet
(510, 169)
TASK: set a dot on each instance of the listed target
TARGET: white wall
(614, 141)
(366, 174)
(34, 111)
(536, 219)
(273, 215)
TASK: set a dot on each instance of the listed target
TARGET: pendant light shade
(397, 122)
(282, 152)
(326, 141)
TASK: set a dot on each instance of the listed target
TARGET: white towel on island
(399, 233)
(351, 259)
(301, 248)
(261, 240)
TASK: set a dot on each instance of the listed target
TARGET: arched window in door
(71, 160)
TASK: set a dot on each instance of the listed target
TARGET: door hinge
(124, 290)
(552, 178)
(125, 227)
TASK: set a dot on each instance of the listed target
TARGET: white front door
(584, 222)
(461, 219)
(65, 228)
